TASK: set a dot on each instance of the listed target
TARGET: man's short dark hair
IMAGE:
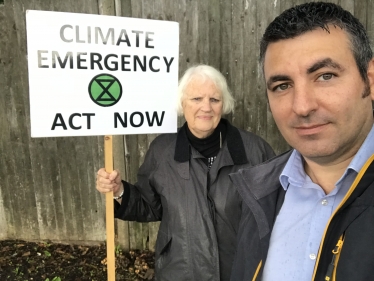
(310, 16)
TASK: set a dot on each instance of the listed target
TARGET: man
(308, 214)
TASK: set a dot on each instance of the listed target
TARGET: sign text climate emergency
(109, 62)
(101, 75)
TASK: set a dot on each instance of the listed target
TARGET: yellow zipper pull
(335, 251)
(338, 246)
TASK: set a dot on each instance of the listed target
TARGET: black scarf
(209, 146)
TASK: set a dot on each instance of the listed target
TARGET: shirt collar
(363, 154)
(294, 173)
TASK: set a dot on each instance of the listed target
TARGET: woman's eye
(196, 99)
(214, 100)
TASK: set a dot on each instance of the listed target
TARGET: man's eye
(326, 76)
(281, 87)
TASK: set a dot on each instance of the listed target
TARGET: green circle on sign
(105, 90)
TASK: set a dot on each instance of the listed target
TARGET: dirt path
(45, 261)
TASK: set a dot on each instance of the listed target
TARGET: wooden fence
(47, 185)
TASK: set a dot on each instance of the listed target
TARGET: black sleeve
(140, 201)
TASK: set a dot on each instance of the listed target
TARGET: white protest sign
(101, 75)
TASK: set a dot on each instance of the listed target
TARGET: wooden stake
(108, 151)
(106, 7)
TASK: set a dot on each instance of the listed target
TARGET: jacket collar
(266, 173)
(233, 138)
(261, 192)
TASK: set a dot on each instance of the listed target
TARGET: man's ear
(370, 73)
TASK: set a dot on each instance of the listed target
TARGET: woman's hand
(106, 182)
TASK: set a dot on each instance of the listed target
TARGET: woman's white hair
(204, 72)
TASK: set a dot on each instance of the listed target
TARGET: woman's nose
(206, 105)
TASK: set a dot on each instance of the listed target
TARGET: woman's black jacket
(199, 209)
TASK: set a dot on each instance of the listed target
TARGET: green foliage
(54, 279)
(118, 250)
(16, 270)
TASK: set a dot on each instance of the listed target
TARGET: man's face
(316, 93)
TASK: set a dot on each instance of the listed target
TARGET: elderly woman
(184, 183)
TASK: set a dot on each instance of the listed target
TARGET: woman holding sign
(184, 183)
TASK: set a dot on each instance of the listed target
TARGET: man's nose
(304, 100)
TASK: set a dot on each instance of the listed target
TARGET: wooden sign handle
(108, 152)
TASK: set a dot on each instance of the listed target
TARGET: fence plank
(54, 178)
(226, 41)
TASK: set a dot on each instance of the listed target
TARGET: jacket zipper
(257, 271)
(212, 210)
(331, 270)
(350, 191)
(211, 205)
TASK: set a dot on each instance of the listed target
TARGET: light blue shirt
(300, 224)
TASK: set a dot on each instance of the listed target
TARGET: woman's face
(202, 107)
